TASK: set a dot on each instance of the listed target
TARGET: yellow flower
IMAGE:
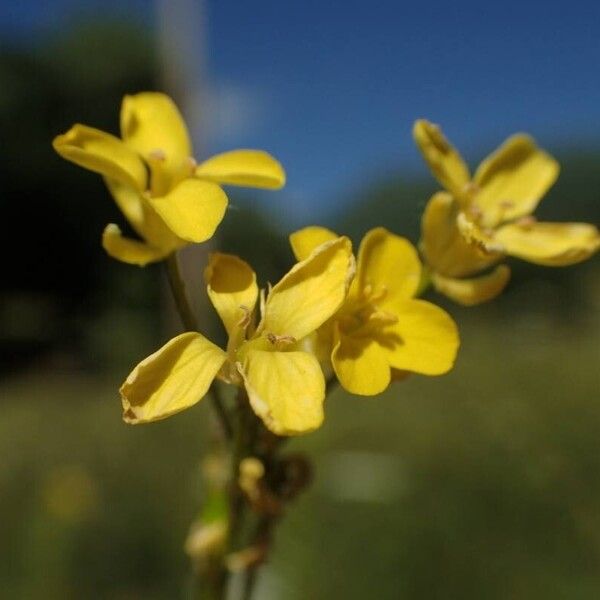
(166, 197)
(477, 221)
(285, 384)
(382, 332)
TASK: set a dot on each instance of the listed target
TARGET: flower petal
(444, 247)
(143, 218)
(361, 365)
(172, 379)
(132, 252)
(286, 390)
(443, 159)
(387, 262)
(232, 289)
(192, 210)
(304, 241)
(513, 179)
(248, 168)
(476, 290)
(152, 125)
(424, 339)
(550, 244)
(310, 292)
(102, 153)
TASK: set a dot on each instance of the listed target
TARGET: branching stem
(190, 323)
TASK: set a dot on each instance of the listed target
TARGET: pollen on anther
(281, 341)
(527, 222)
(158, 155)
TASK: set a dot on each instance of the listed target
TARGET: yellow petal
(232, 289)
(513, 180)
(132, 252)
(304, 241)
(172, 379)
(443, 159)
(152, 125)
(388, 264)
(444, 248)
(248, 168)
(192, 210)
(286, 390)
(550, 244)
(143, 218)
(361, 365)
(424, 339)
(310, 292)
(102, 153)
(477, 290)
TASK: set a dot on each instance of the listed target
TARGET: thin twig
(190, 323)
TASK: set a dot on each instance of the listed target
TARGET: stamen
(470, 188)
(157, 155)
(245, 320)
(379, 295)
(527, 222)
(382, 317)
(474, 212)
(281, 341)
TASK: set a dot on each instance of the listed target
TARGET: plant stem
(190, 323)
(177, 284)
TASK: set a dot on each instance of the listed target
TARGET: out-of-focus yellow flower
(382, 332)
(285, 384)
(476, 222)
(166, 197)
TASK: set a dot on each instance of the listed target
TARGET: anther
(527, 222)
(158, 155)
(281, 341)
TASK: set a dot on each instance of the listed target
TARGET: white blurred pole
(181, 31)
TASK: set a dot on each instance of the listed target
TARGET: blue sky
(332, 88)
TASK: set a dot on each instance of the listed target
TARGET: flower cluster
(469, 228)
(332, 316)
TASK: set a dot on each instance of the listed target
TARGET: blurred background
(482, 484)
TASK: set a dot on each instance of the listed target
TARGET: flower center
(364, 316)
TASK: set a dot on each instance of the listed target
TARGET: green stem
(190, 323)
(179, 293)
